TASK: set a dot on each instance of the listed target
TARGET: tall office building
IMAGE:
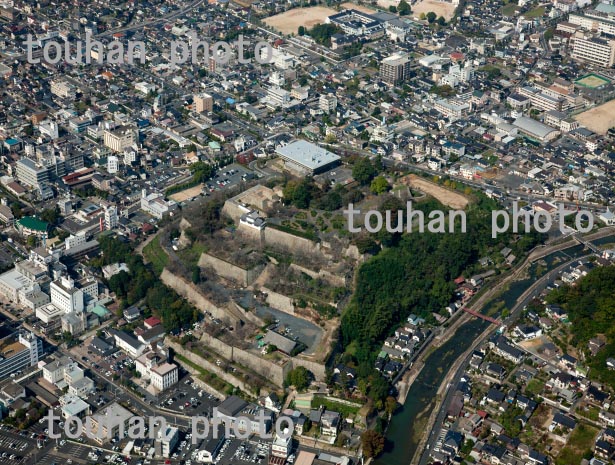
(19, 351)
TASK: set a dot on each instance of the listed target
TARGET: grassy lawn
(592, 413)
(509, 9)
(535, 13)
(210, 378)
(581, 440)
(534, 386)
(193, 253)
(155, 255)
(345, 410)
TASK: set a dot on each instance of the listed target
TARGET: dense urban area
(258, 213)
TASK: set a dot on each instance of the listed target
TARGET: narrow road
(437, 418)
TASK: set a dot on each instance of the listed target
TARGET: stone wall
(279, 301)
(294, 244)
(193, 295)
(317, 368)
(327, 276)
(227, 270)
(272, 371)
(211, 367)
(267, 369)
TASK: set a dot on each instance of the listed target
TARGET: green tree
(51, 215)
(431, 17)
(379, 185)
(372, 443)
(441, 21)
(196, 274)
(299, 377)
(404, 8)
(299, 193)
(363, 171)
(201, 171)
(301, 30)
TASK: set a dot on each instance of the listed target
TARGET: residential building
(168, 439)
(395, 69)
(110, 423)
(120, 138)
(327, 103)
(203, 103)
(593, 49)
(155, 204)
(32, 174)
(65, 296)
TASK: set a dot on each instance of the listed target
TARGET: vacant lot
(448, 197)
(599, 119)
(445, 9)
(579, 443)
(187, 194)
(289, 21)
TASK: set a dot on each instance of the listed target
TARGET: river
(410, 421)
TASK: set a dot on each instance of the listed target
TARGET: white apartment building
(112, 164)
(155, 205)
(281, 447)
(111, 217)
(593, 49)
(63, 89)
(31, 173)
(592, 23)
(278, 97)
(155, 368)
(279, 58)
(451, 109)
(50, 129)
(327, 103)
(120, 139)
(75, 240)
(145, 87)
(168, 439)
(128, 343)
(65, 296)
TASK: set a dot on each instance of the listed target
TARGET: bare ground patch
(184, 195)
(445, 9)
(446, 196)
(289, 21)
(599, 119)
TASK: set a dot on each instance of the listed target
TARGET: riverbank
(457, 368)
(423, 389)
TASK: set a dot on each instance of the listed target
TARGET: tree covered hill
(415, 275)
(590, 304)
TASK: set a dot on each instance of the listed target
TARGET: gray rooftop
(307, 154)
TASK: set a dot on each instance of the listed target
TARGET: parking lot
(228, 177)
(117, 363)
(188, 399)
(14, 448)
